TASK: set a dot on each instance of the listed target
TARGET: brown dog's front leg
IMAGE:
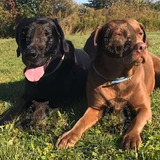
(69, 138)
(132, 138)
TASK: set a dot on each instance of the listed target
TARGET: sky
(85, 1)
(81, 1)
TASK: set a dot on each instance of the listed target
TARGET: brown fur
(136, 91)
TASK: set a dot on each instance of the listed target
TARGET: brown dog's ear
(144, 37)
(96, 35)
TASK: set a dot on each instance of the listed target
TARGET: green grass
(98, 143)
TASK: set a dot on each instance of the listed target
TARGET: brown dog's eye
(119, 34)
(140, 33)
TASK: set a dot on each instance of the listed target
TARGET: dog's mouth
(139, 61)
(36, 73)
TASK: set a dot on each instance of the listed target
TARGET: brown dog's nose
(141, 47)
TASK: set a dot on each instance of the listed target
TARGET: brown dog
(122, 72)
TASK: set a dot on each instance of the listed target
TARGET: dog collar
(57, 67)
(59, 64)
(111, 82)
(121, 79)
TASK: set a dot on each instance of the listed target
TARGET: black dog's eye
(47, 34)
(51, 40)
(22, 35)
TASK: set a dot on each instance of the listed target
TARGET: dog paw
(68, 139)
(132, 141)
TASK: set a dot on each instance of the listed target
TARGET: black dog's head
(40, 40)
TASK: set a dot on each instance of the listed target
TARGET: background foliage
(78, 18)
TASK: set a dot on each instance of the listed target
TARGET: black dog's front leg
(14, 112)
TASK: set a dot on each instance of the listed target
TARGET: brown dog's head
(122, 39)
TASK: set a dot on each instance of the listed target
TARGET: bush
(6, 23)
(87, 19)
(76, 18)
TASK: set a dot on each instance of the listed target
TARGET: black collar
(56, 68)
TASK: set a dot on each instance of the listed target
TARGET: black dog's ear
(17, 40)
(18, 52)
(60, 31)
(144, 37)
(19, 28)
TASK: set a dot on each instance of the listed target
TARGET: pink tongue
(34, 74)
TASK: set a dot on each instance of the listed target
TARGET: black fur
(64, 86)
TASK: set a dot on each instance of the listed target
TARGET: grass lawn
(101, 142)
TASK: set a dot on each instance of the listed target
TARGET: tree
(50, 8)
(66, 7)
(27, 8)
(99, 4)
(156, 5)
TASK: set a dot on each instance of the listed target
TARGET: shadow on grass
(11, 91)
(75, 110)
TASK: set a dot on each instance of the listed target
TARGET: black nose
(31, 53)
(141, 47)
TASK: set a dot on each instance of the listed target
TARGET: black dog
(55, 71)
